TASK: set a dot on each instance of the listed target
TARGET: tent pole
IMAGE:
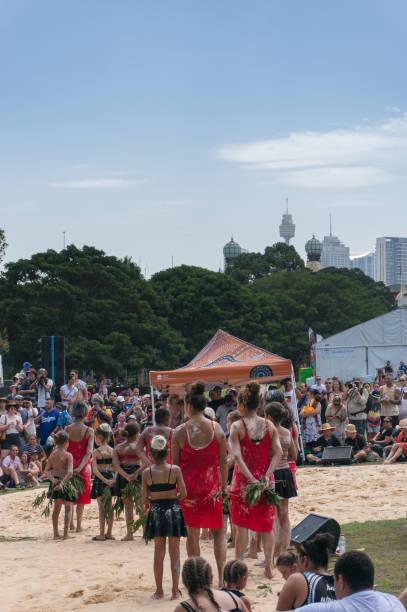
(296, 416)
(152, 402)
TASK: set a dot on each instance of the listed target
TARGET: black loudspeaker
(337, 454)
(313, 524)
(53, 358)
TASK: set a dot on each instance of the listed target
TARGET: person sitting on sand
(399, 449)
(313, 583)
(354, 583)
(29, 471)
(235, 576)
(385, 438)
(287, 563)
(12, 465)
(326, 440)
(59, 468)
(358, 443)
(197, 577)
(165, 519)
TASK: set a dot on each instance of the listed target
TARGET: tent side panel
(343, 362)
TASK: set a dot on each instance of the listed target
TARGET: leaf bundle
(255, 491)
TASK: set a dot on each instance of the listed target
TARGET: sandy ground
(41, 575)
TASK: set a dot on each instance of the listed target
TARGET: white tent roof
(360, 350)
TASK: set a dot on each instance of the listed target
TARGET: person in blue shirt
(48, 420)
(64, 417)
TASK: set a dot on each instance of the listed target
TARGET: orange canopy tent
(228, 361)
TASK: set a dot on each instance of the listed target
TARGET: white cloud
(95, 183)
(362, 156)
(393, 109)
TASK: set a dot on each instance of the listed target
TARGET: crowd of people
(189, 470)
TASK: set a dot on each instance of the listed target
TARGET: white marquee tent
(360, 350)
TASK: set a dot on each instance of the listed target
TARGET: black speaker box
(341, 455)
(313, 524)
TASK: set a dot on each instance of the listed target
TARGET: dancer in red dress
(199, 448)
(81, 446)
(161, 428)
(257, 450)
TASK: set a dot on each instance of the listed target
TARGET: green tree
(3, 244)
(251, 266)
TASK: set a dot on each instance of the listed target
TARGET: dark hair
(357, 570)
(317, 549)
(233, 571)
(196, 576)
(287, 421)
(79, 409)
(161, 415)
(250, 396)
(287, 559)
(72, 370)
(61, 437)
(275, 396)
(196, 397)
(234, 416)
(131, 429)
(275, 411)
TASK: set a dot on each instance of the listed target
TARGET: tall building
(334, 253)
(391, 260)
(230, 251)
(364, 262)
(287, 227)
(313, 249)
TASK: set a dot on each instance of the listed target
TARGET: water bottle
(341, 545)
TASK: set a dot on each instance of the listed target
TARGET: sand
(41, 575)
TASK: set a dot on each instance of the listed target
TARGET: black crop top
(162, 486)
(104, 461)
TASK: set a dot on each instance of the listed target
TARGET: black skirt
(59, 494)
(10, 440)
(98, 486)
(165, 519)
(121, 482)
(285, 485)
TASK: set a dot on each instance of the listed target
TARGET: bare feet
(57, 536)
(68, 537)
(268, 571)
(99, 538)
(128, 538)
(159, 594)
(260, 563)
(176, 594)
(79, 530)
(231, 545)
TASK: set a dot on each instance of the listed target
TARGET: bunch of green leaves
(225, 501)
(71, 490)
(106, 502)
(255, 491)
(131, 491)
(40, 499)
(264, 590)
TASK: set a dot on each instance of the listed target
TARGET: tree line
(115, 320)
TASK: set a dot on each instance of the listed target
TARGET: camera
(350, 385)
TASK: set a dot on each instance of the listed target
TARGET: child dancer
(231, 418)
(102, 469)
(165, 518)
(235, 578)
(60, 463)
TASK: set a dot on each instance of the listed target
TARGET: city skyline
(158, 130)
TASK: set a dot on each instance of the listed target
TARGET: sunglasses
(12, 406)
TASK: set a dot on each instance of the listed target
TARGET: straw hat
(326, 427)
(350, 428)
(403, 424)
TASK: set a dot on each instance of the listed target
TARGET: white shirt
(363, 601)
(319, 388)
(43, 394)
(5, 419)
(69, 394)
(31, 429)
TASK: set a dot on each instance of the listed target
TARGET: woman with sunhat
(325, 440)
(399, 449)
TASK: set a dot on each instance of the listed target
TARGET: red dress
(200, 471)
(256, 456)
(78, 451)
(169, 458)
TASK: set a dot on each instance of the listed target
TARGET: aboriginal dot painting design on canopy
(226, 360)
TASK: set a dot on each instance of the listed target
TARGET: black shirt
(387, 432)
(333, 441)
(358, 443)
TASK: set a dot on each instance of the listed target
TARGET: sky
(158, 129)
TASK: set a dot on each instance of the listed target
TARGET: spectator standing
(216, 398)
(48, 420)
(388, 369)
(32, 413)
(402, 370)
(23, 412)
(43, 386)
(373, 408)
(80, 385)
(357, 442)
(318, 385)
(27, 387)
(98, 414)
(176, 410)
(12, 424)
(390, 399)
(357, 399)
(223, 410)
(336, 416)
(403, 393)
(113, 406)
(64, 418)
(69, 392)
(3, 412)
(18, 378)
(310, 416)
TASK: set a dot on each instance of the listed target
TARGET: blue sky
(157, 129)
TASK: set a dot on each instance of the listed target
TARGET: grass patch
(386, 543)
(16, 538)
